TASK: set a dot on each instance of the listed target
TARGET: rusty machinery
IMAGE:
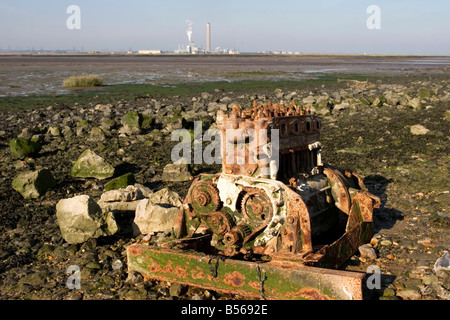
(277, 229)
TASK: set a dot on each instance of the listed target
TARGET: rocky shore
(113, 162)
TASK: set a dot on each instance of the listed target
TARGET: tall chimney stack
(208, 37)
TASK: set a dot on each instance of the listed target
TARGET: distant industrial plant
(191, 47)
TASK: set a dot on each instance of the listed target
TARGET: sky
(321, 26)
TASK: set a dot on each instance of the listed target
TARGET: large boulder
(124, 199)
(91, 165)
(166, 196)
(80, 218)
(131, 123)
(33, 184)
(151, 217)
(176, 173)
(21, 148)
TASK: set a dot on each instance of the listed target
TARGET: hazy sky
(323, 26)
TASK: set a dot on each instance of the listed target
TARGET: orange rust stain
(135, 250)
(255, 285)
(154, 267)
(197, 273)
(180, 272)
(308, 293)
(234, 279)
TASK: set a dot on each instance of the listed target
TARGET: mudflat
(30, 74)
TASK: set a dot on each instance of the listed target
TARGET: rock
(198, 106)
(279, 93)
(447, 115)
(415, 103)
(33, 184)
(134, 278)
(125, 199)
(166, 196)
(90, 165)
(117, 265)
(106, 124)
(120, 182)
(425, 93)
(174, 123)
(385, 242)
(97, 134)
(418, 129)
(82, 127)
(176, 172)
(367, 251)
(35, 279)
(147, 121)
(54, 131)
(67, 132)
(309, 100)
(341, 106)
(130, 193)
(409, 294)
(389, 292)
(206, 96)
(131, 123)
(80, 218)
(152, 217)
(26, 133)
(443, 293)
(377, 103)
(176, 289)
(21, 148)
(443, 263)
(214, 106)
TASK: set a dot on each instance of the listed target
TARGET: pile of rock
(81, 218)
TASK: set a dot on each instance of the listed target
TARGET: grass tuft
(83, 81)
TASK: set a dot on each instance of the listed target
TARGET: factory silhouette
(191, 47)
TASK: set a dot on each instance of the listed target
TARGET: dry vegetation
(83, 81)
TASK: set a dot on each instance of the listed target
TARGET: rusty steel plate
(268, 280)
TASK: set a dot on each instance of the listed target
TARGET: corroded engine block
(274, 195)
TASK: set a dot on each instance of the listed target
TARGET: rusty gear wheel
(218, 222)
(257, 206)
(204, 197)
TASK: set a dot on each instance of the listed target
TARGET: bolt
(290, 219)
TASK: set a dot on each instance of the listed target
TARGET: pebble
(134, 278)
(175, 290)
(409, 294)
(367, 251)
(389, 292)
(117, 265)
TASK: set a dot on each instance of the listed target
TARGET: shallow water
(27, 75)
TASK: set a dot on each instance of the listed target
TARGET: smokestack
(189, 30)
(208, 37)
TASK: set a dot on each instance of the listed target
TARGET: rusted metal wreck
(273, 229)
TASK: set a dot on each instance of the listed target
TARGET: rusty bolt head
(290, 219)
